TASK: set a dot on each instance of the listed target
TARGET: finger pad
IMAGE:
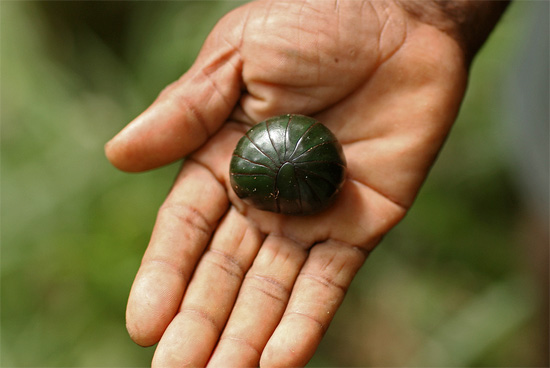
(293, 344)
(153, 302)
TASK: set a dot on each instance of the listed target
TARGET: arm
(225, 284)
(468, 21)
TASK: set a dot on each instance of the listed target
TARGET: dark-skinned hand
(224, 284)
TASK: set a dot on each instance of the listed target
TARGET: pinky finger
(317, 294)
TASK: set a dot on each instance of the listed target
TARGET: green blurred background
(462, 281)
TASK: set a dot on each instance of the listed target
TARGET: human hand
(223, 284)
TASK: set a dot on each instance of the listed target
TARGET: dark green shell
(290, 164)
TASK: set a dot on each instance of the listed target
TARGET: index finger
(184, 226)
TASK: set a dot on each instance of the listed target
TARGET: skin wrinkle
(385, 23)
(221, 60)
(211, 81)
(301, 244)
(183, 103)
(226, 269)
(243, 342)
(236, 50)
(208, 225)
(318, 61)
(286, 258)
(229, 257)
(271, 295)
(383, 58)
(322, 327)
(167, 265)
(238, 47)
(325, 281)
(230, 265)
(394, 201)
(189, 215)
(340, 243)
(275, 285)
(308, 83)
(203, 316)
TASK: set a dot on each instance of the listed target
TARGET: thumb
(186, 113)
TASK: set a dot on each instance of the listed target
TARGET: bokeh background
(462, 281)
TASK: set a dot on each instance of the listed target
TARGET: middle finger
(261, 302)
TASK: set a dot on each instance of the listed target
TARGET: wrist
(469, 22)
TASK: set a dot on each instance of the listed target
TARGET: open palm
(225, 284)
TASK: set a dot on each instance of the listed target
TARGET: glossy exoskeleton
(289, 164)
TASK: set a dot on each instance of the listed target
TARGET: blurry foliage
(451, 285)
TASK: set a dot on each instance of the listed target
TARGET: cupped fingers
(183, 228)
(193, 333)
(317, 294)
(261, 302)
